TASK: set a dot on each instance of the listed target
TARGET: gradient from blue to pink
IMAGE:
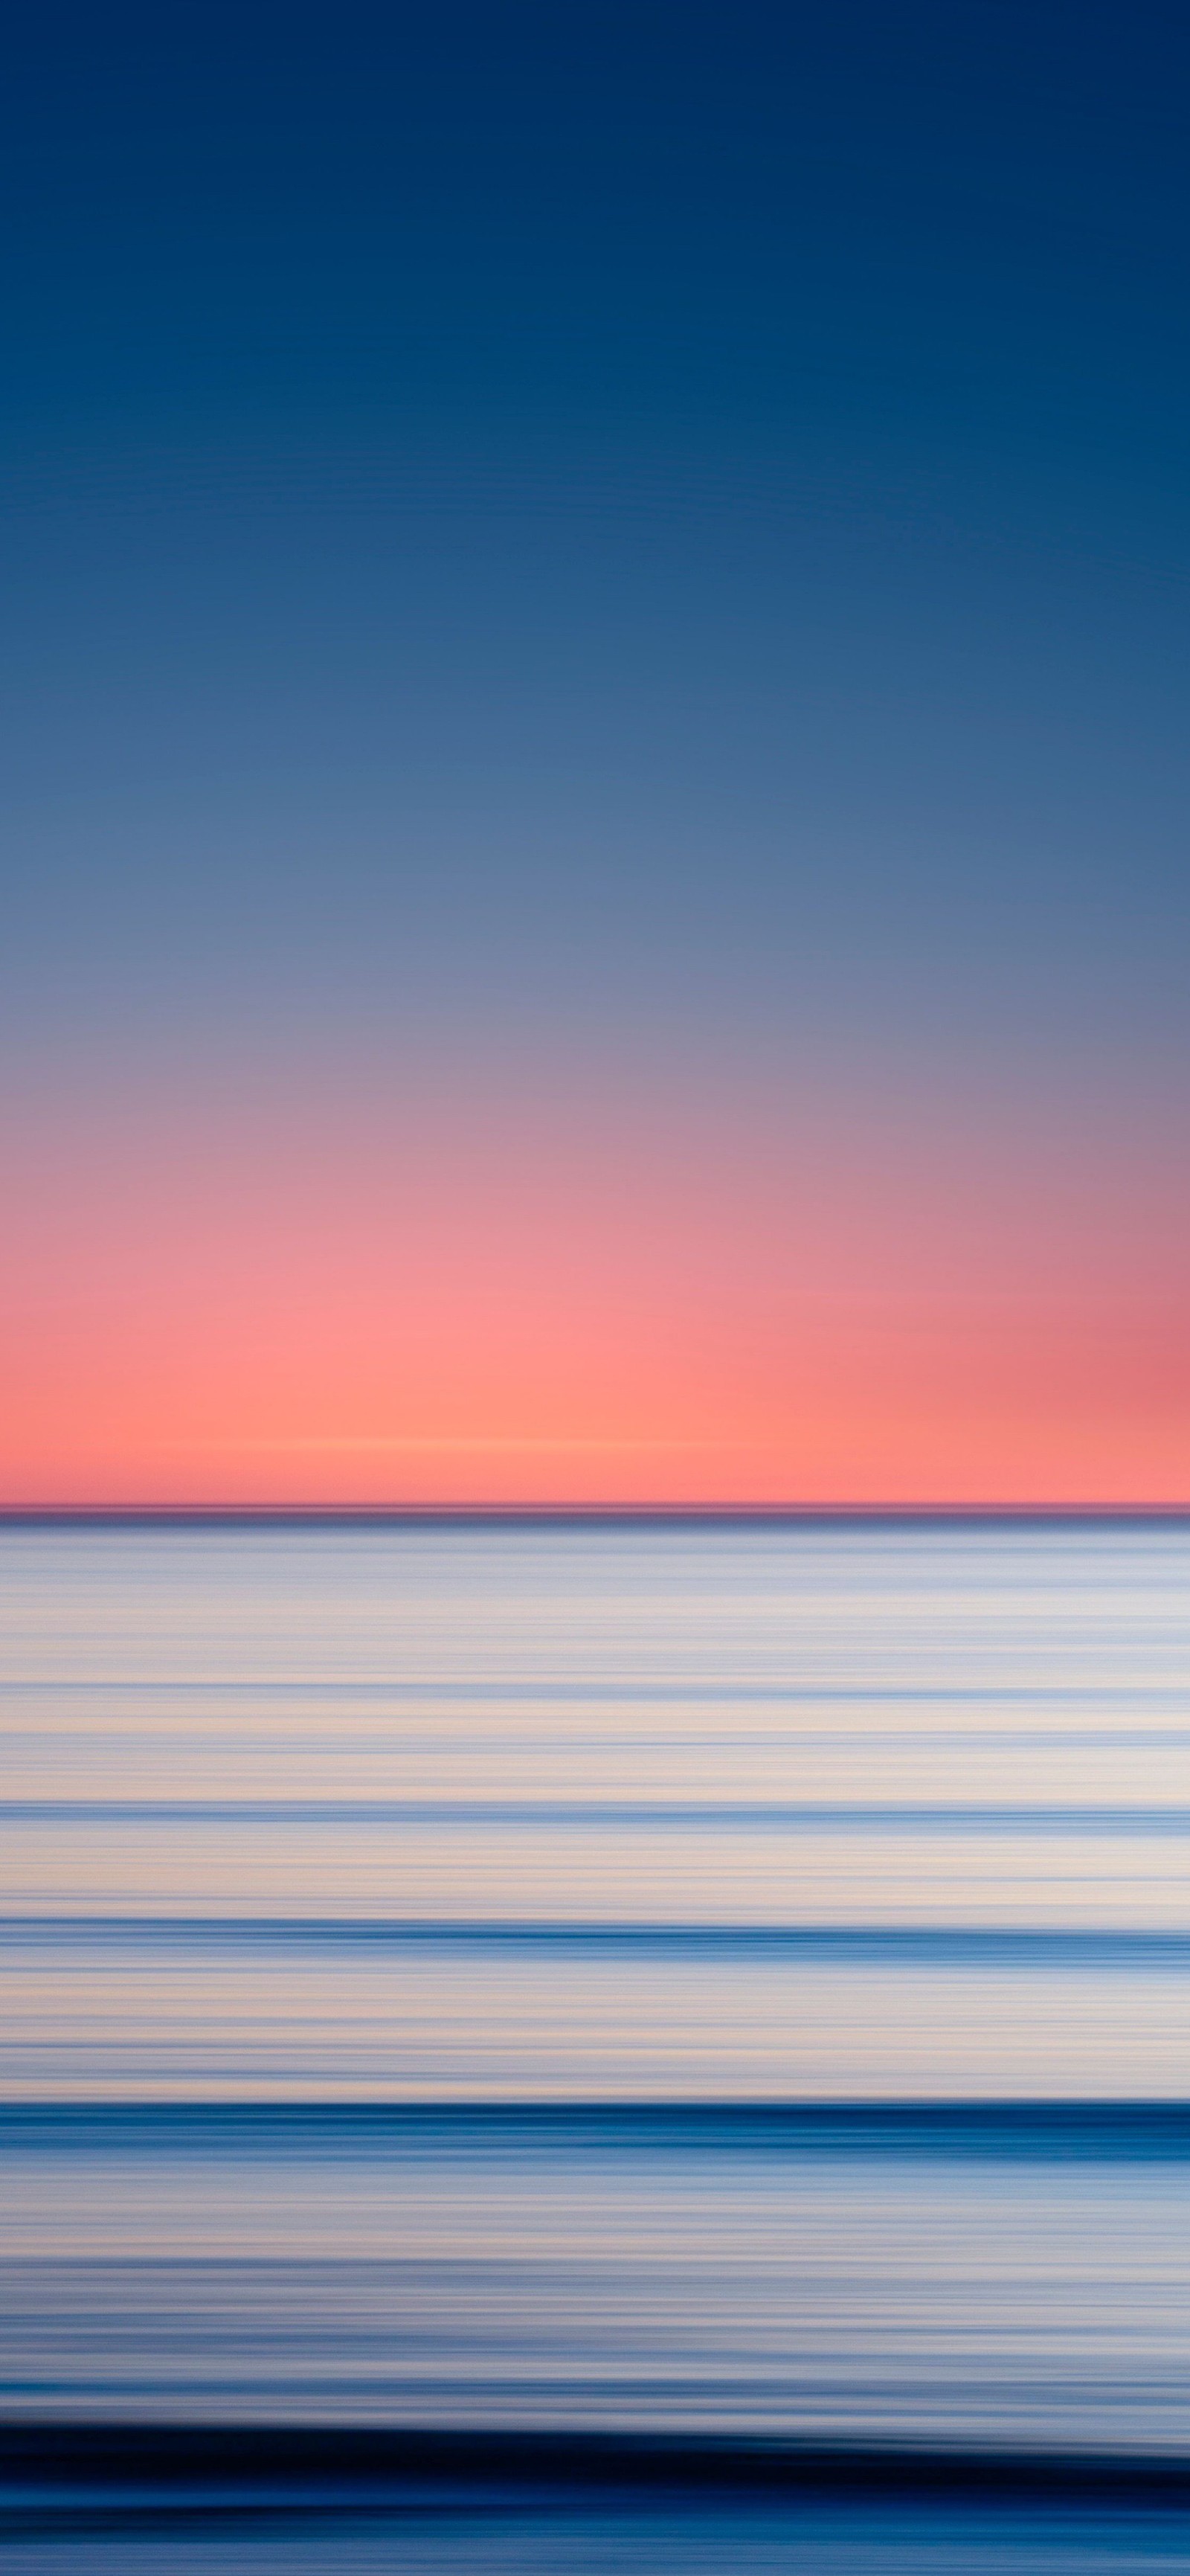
(595, 899)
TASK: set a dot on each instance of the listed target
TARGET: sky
(594, 902)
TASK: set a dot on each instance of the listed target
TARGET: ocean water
(570, 2045)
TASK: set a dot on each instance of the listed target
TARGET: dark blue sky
(540, 527)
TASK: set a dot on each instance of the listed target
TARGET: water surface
(726, 1982)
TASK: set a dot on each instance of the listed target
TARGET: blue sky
(600, 547)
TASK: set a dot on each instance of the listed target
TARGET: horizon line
(228, 1514)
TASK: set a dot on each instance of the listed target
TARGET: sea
(539, 2044)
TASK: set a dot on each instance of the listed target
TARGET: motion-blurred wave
(704, 1985)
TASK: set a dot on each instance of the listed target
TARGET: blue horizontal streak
(605, 1813)
(891, 1944)
(1035, 2130)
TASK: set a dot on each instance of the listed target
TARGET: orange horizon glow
(586, 1313)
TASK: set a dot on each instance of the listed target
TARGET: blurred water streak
(732, 1980)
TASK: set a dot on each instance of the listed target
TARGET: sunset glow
(432, 1309)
